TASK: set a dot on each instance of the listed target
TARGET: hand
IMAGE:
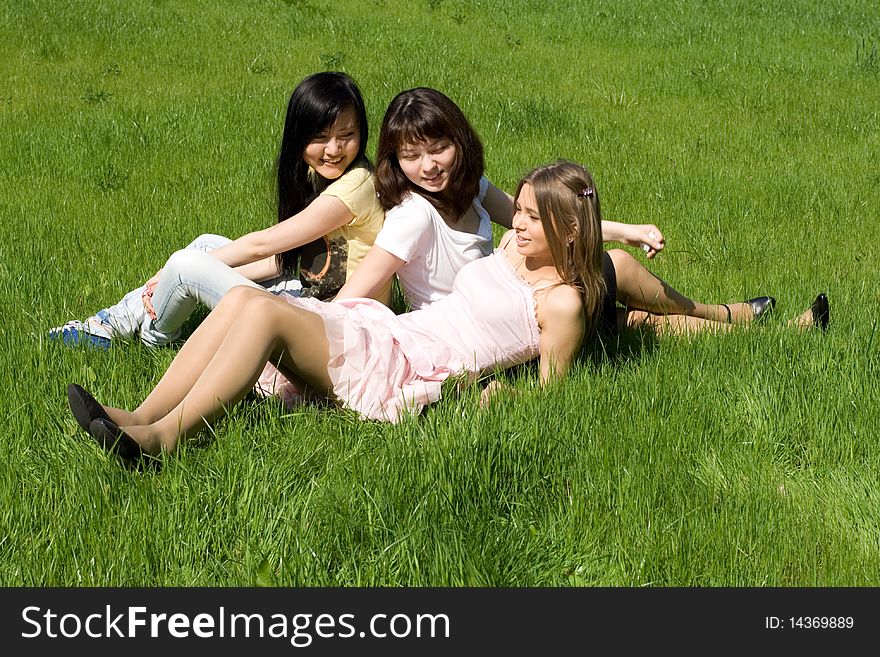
(647, 237)
(154, 280)
(495, 386)
(147, 296)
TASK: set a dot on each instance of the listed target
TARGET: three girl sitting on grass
(429, 177)
(536, 296)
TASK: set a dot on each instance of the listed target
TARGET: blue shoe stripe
(73, 337)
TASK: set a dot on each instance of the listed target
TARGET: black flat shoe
(84, 407)
(761, 307)
(116, 441)
(820, 311)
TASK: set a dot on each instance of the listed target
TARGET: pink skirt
(375, 369)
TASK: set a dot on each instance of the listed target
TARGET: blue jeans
(190, 276)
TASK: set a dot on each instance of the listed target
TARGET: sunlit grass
(749, 134)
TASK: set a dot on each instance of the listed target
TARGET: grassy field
(750, 134)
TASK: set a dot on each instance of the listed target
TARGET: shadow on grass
(615, 349)
(620, 347)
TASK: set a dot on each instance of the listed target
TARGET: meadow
(748, 132)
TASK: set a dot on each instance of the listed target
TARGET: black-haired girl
(328, 217)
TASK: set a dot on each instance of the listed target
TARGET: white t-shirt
(432, 251)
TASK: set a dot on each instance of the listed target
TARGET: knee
(187, 264)
(636, 318)
(244, 293)
(208, 242)
(238, 297)
(260, 307)
(182, 261)
(260, 302)
(621, 260)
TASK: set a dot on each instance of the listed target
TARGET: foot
(752, 310)
(761, 307)
(76, 333)
(84, 407)
(816, 315)
(115, 441)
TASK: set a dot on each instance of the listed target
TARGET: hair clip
(585, 192)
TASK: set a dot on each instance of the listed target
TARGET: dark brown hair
(416, 115)
(568, 205)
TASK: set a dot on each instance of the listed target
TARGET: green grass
(749, 134)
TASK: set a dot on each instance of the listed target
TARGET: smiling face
(333, 149)
(531, 240)
(428, 163)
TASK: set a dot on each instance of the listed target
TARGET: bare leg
(674, 324)
(814, 316)
(273, 330)
(804, 320)
(662, 306)
(189, 363)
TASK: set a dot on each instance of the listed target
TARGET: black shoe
(820, 311)
(84, 407)
(116, 441)
(761, 307)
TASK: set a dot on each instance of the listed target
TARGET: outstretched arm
(637, 235)
(253, 254)
(260, 270)
(320, 217)
(499, 205)
(561, 320)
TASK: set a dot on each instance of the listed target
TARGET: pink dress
(384, 365)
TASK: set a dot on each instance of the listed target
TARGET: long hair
(416, 115)
(571, 215)
(314, 106)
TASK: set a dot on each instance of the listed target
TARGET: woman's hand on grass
(491, 391)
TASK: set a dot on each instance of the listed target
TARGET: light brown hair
(568, 205)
